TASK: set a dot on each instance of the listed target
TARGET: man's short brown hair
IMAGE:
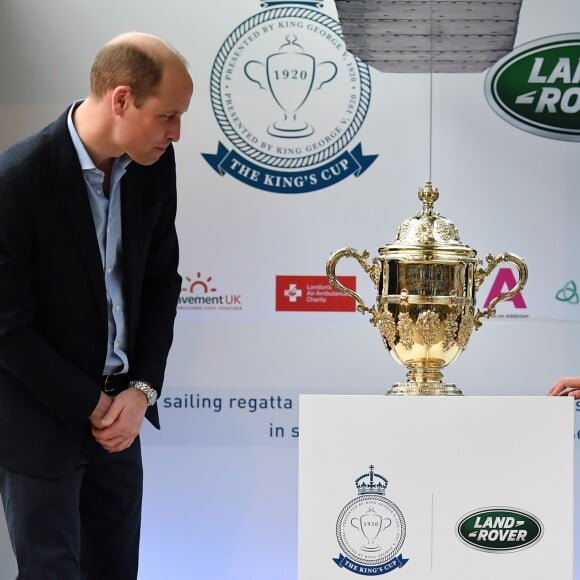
(123, 63)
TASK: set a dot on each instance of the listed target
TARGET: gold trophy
(426, 283)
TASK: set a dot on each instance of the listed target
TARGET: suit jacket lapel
(70, 189)
(131, 218)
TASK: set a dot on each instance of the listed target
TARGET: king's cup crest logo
(290, 99)
(370, 529)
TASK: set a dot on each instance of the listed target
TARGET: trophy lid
(428, 230)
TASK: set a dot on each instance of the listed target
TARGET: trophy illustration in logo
(426, 283)
(290, 75)
(370, 524)
(371, 529)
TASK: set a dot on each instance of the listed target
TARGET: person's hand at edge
(566, 387)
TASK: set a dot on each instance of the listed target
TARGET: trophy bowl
(426, 284)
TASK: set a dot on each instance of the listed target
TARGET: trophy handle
(482, 274)
(361, 258)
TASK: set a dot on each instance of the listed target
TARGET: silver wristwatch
(147, 390)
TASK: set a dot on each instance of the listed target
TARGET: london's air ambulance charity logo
(370, 529)
(290, 99)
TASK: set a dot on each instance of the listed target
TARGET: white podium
(441, 488)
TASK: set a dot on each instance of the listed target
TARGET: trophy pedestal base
(429, 388)
(290, 130)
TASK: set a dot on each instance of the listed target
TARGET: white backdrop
(221, 476)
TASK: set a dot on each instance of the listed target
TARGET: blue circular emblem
(290, 99)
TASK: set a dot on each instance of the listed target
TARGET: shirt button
(109, 270)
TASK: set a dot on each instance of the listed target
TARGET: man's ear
(120, 99)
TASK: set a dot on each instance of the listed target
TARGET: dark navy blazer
(53, 317)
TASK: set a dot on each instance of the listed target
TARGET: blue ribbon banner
(348, 564)
(304, 181)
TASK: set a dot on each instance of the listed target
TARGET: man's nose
(174, 131)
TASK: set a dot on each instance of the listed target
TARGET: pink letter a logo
(504, 282)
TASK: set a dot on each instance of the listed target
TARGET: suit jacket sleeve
(29, 356)
(152, 290)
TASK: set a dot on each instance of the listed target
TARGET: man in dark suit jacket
(88, 294)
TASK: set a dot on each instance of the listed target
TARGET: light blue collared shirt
(107, 217)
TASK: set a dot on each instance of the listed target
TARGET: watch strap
(146, 389)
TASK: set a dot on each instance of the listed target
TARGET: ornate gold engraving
(427, 326)
(405, 328)
(385, 322)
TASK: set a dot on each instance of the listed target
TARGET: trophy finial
(428, 195)
(291, 44)
(428, 227)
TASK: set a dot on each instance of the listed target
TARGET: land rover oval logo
(537, 87)
(499, 529)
